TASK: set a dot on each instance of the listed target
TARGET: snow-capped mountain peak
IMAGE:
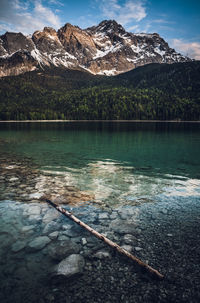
(103, 49)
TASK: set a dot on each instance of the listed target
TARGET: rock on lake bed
(37, 241)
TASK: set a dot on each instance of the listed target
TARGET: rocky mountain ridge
(105, 49)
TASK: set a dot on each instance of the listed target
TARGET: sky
(177, 21)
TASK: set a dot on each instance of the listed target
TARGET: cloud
(56, 2)
(46, 14)
(3, 27)
(131, 10)
(26, 16)
(191, 49)
(134, 28)
(162, 21)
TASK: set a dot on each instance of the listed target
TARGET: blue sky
(177, 21)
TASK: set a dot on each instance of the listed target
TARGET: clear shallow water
(147, 172)
(118, 163)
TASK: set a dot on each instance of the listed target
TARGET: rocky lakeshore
(23, 181)
(47, 258)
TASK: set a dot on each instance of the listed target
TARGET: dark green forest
(150, 92)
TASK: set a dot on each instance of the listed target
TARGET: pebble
(113, 215)
(127, 247)
(129, 239)
(22, 186)
(27, 228)
(53, 235)
(126, 212)
(62, 237)
(11, 167)
(84, 241)
(103, 216)
(13, 179)
(66, 227)
(102, 255)
(137, 248)
(70, 232)
(36, 195)
(138, 231)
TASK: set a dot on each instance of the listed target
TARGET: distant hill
(153, 91)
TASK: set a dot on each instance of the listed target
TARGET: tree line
(154, 92)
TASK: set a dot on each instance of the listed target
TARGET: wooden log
(114, 245)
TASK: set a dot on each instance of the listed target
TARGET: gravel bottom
(169, 242)
(119, 280)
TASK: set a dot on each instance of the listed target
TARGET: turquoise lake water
(119, 163)
(123, 179)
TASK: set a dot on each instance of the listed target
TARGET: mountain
(106, 49)
(151, 92)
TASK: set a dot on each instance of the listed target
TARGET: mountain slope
(106, 49)
(154, 91)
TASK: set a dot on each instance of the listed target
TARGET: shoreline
(155, 235)
(114, 121)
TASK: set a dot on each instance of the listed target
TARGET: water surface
(118, 163)
(140, 176)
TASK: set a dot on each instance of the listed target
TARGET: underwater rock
(123, 227)
(129, 239)
(127, 247)
(70, 266)
(103, 216)
(36, 195)
(53, 235)
(50, 216)
(102, 255)
(27, 228)
(138, 248)
(61, 249)
(32, 210)
(38, 243)
(17, 246)
(50, 228)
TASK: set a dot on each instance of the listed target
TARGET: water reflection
(117, 163)
(112, 183)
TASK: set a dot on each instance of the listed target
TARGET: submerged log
(106, 240)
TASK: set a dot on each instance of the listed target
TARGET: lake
(137, 183)
(118, 163)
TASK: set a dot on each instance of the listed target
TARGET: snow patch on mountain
(37, 56)
(110, 72)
